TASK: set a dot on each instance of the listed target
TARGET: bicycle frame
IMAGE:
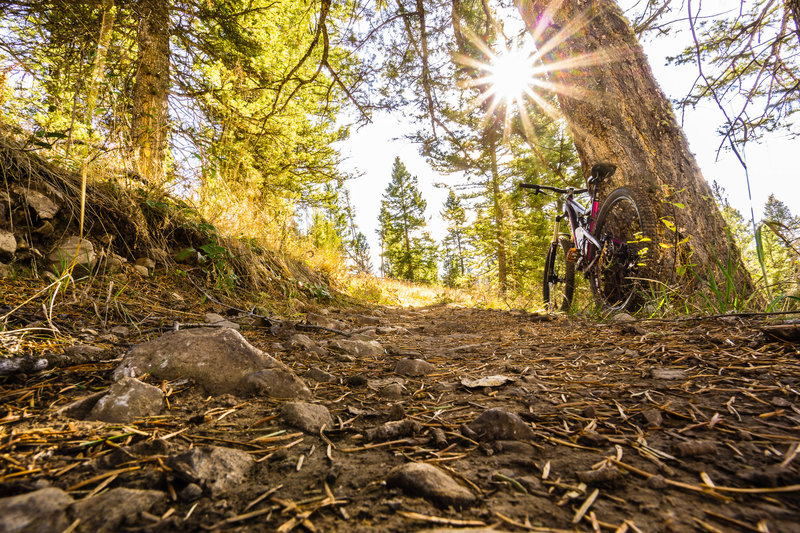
(581, 229)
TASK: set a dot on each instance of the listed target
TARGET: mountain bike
(612, 244)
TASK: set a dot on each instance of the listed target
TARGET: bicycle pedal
(572, 255)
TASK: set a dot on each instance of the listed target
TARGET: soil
(684, 425)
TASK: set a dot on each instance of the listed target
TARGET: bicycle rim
(559, 277)
(619, 277)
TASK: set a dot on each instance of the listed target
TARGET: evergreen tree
(408, 252)
(454, 215)
(361, 257)
(780, 239)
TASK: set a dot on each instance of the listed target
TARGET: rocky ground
(393, 419)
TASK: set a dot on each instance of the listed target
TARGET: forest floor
(682, 425)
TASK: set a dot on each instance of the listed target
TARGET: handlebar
(540, 188)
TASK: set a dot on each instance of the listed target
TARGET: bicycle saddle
(601, 171)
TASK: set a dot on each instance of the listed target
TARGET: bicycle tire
(626, 229)
(558, 291)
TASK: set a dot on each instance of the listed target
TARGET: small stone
(6, 271)
(302, 341)
(423, 479)
(218, 321)
(67, 250)
(142, 271)
(191, 492)
(320, 375)
(278, 383)
(43, 206)
(358, 348)
(309, 417)
(589, 411)
(86, 350)
(356, 380)
(622, 317)
(42, 510)
(668, 373)
(107, 512)
(498, 424)
(8, 245)
(413, 367)
(215, 469)
(653, 417)
(392, 391)
(657, 483)
(325, 322)
(115, 263)
(146, 262)
(121, 331)
(127, 400)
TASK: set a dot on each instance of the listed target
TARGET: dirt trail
(660, 426)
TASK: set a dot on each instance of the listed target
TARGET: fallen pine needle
(441, 520)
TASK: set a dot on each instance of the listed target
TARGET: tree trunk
(622, 116)
(98, 69)
(497, 213)
(149, 122)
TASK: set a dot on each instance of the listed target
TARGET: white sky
(372, 149)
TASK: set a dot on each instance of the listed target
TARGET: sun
(510, 75)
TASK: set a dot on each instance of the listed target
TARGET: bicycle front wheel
(558, 285)
(626, 229)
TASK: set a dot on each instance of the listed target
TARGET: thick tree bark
(151, 89)
(618, 113)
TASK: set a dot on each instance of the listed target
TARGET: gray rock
(218, 359)
(365, 320)
(320, 375)
(668, 373)
(325, 322)
(81, 407)
(146, 262)
(191, 492)
(391, 330)
(358, 348)
(392, 391)
(302, 341)
(310, 417)
(276, 382)
(67, 250)
(498, 424)
(423, 479)
(216, 469)
(142, 271)
(218, 321)
(43, 206)
(122, 332)
(115, 263)
(413, 367)
(622, 317)
(8, 245)
(127, 400)
(83, 350)
(42, 511)
(108, 511)
(6, 271)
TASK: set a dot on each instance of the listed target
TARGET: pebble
(423, 479)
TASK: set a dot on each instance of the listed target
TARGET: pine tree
(454, 215)
(408, 252)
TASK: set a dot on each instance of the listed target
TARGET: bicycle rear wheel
(626, 229)
(558, 285)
